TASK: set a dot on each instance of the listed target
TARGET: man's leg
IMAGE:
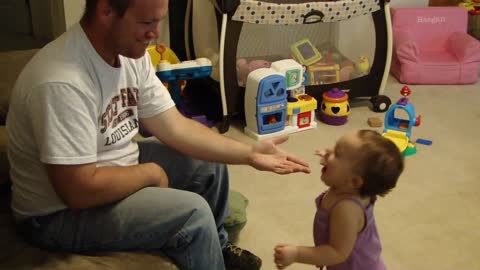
(175, 222)
(208, 179)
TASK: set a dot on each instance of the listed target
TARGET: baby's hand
(323, 154)
(285, 255)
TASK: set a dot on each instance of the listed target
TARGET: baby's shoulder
(347, 205)
(347, 211)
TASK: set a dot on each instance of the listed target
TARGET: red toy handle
(418, 120)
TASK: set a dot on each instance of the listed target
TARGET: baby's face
(339, 162)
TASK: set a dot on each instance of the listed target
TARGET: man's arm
(84, 186)
(196, 140)
(65, 134)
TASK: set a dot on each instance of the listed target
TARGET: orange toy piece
(403, 125)
(161, 49)
(272, 119)
(161, 53)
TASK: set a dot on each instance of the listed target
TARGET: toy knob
(335, 95)
(405, 91)
(161, 49)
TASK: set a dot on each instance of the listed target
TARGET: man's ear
(357, 181)
(104, 8)
(105, 13)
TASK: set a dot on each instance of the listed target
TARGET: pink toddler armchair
(431, 46)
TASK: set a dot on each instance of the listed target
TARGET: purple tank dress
(366, 252)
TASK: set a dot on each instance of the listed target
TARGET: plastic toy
(473, 6)
(301, 112)
(424, 141)
(399, 130)
(275, 101)
(186, 70)
(362, 65)
(161, 53)
(335, 107)
(374, 122)
(265, 101)
(174, 75)
(322, 73)
(305, 53)
(292, 71)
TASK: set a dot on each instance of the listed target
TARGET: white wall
(356, 36)
(73, 11)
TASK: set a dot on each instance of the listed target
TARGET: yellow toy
(473, 6)
(305, 53)
(300, 112)
(362, 65)
(160, 53)
(323, 73)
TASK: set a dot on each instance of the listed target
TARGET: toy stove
(265, 101)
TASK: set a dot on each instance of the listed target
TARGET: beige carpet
(430, 221)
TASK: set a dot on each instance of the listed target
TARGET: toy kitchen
(275, 101)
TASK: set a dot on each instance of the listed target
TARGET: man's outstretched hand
(267, 156)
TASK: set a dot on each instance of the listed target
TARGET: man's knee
(193, 204)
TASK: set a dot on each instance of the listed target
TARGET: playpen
(344, 44)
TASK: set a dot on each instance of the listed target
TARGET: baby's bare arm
(346, 221)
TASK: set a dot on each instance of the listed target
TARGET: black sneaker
(240, 259)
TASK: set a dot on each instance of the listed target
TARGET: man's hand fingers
(298, 161)
(290, 167)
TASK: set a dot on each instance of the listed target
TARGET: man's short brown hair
(119, 6)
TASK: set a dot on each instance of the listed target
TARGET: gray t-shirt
(69, 106)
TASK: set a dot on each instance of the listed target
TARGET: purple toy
(335, 107)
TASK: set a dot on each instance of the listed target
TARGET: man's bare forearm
(84, 186)
(195, 139)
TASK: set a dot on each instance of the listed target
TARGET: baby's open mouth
(324, 169)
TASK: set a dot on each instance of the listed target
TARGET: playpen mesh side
(274, 40)
(269, 29)
(339, 44)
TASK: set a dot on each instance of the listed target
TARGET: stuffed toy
(244, 67)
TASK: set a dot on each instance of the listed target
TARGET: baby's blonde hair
(380, 163)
